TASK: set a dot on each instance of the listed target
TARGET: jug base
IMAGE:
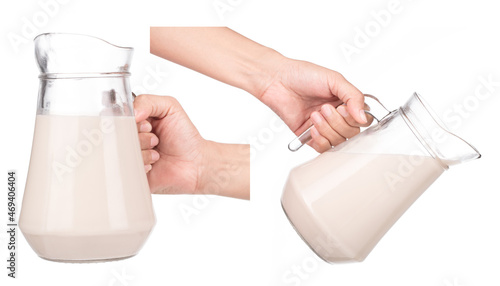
(87, 248)
(300, 235)
(339, 259)
(89, 260)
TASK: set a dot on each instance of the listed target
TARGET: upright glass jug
(345, 200)
(87, 196)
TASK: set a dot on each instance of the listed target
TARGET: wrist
(224, 170)
(262, 70)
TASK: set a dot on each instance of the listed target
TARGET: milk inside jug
(87, 197)
(343, 202)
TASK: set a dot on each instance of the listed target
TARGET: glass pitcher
(343, 202)
(87, 197)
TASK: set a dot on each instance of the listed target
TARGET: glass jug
(87, 197)
(343, 202)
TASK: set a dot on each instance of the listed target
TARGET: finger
(350, 95)
(148, 140)
(147, 168)
(150, 156)
(325, 130)
(318, 142)
(303, 127)
(144, 126)
(341, 109)
(337, 122)
(147, 105)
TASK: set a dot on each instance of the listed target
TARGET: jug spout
(442, 144)
(453, 150)
(60, 53)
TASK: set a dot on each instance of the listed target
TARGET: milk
(87, 196)
(343, 203)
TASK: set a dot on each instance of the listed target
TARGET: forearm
(225, 170)
(218, 52)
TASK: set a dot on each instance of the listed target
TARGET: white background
(450, 237)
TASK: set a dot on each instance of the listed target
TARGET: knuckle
(337, 76)
(148, 98)
(140, 98)
(325, 146)
(144, 136)
(320, 127)
(172, 99)
(318, 147)
(324, 142)
(145, 156)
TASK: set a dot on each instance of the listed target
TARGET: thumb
(351, 96)
(148, 105)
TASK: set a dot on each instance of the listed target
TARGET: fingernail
(154, 141)
(155, 156)
(341, 109)
(326, 110)
(148, 168)
(363, 116)
(316, 118)
(144, 127)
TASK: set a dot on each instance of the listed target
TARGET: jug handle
(305, 137)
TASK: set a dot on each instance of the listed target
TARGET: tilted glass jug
(87, 197)
(345, 200)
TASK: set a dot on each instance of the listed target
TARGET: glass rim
(83, 35)
(43, 76)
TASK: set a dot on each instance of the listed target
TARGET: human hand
(171, 142)
(301, 93)
(304, 94)
(178, 160)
